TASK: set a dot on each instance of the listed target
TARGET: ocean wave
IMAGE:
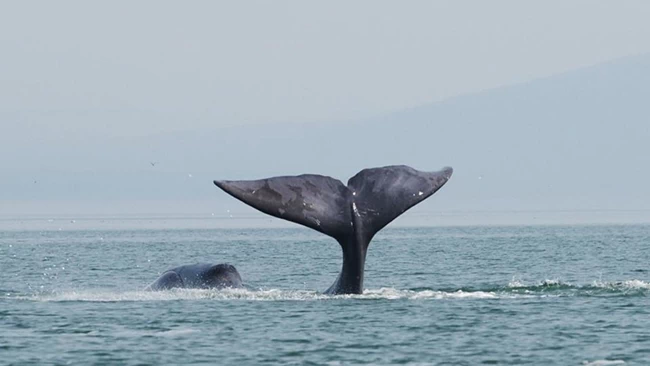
(623, 285)
(597, 287)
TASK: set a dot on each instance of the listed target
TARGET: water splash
(513, 290)
(552, 283)
(624, 285)
(250, 295)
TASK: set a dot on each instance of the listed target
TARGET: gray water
(555, 295)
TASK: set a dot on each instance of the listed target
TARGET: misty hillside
(578, 140)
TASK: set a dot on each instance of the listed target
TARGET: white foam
(454, 295)
(256, 295)
(625, 285)
(393, 294)
(518, 284)
(98, 295)
(603, 362)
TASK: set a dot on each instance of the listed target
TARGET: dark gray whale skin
(350, 214)
(198, 276)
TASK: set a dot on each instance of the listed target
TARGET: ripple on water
(433, 294)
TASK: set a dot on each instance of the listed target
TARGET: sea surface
(485, 295)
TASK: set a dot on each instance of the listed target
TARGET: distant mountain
(578, 140)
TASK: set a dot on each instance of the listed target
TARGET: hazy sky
(91, 92)
(209, 63)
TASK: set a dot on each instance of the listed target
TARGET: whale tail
(351, 214)
(375, 196)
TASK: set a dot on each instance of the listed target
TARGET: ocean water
(519, 295)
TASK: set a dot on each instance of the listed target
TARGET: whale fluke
(315, 201)
(351, 214)
(382, 194)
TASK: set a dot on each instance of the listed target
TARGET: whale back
(222, 275)
(166, 281)
(199, 275)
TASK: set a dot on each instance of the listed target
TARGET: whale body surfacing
(200, 276)
(351, 214)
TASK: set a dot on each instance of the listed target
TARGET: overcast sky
(210, 63)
